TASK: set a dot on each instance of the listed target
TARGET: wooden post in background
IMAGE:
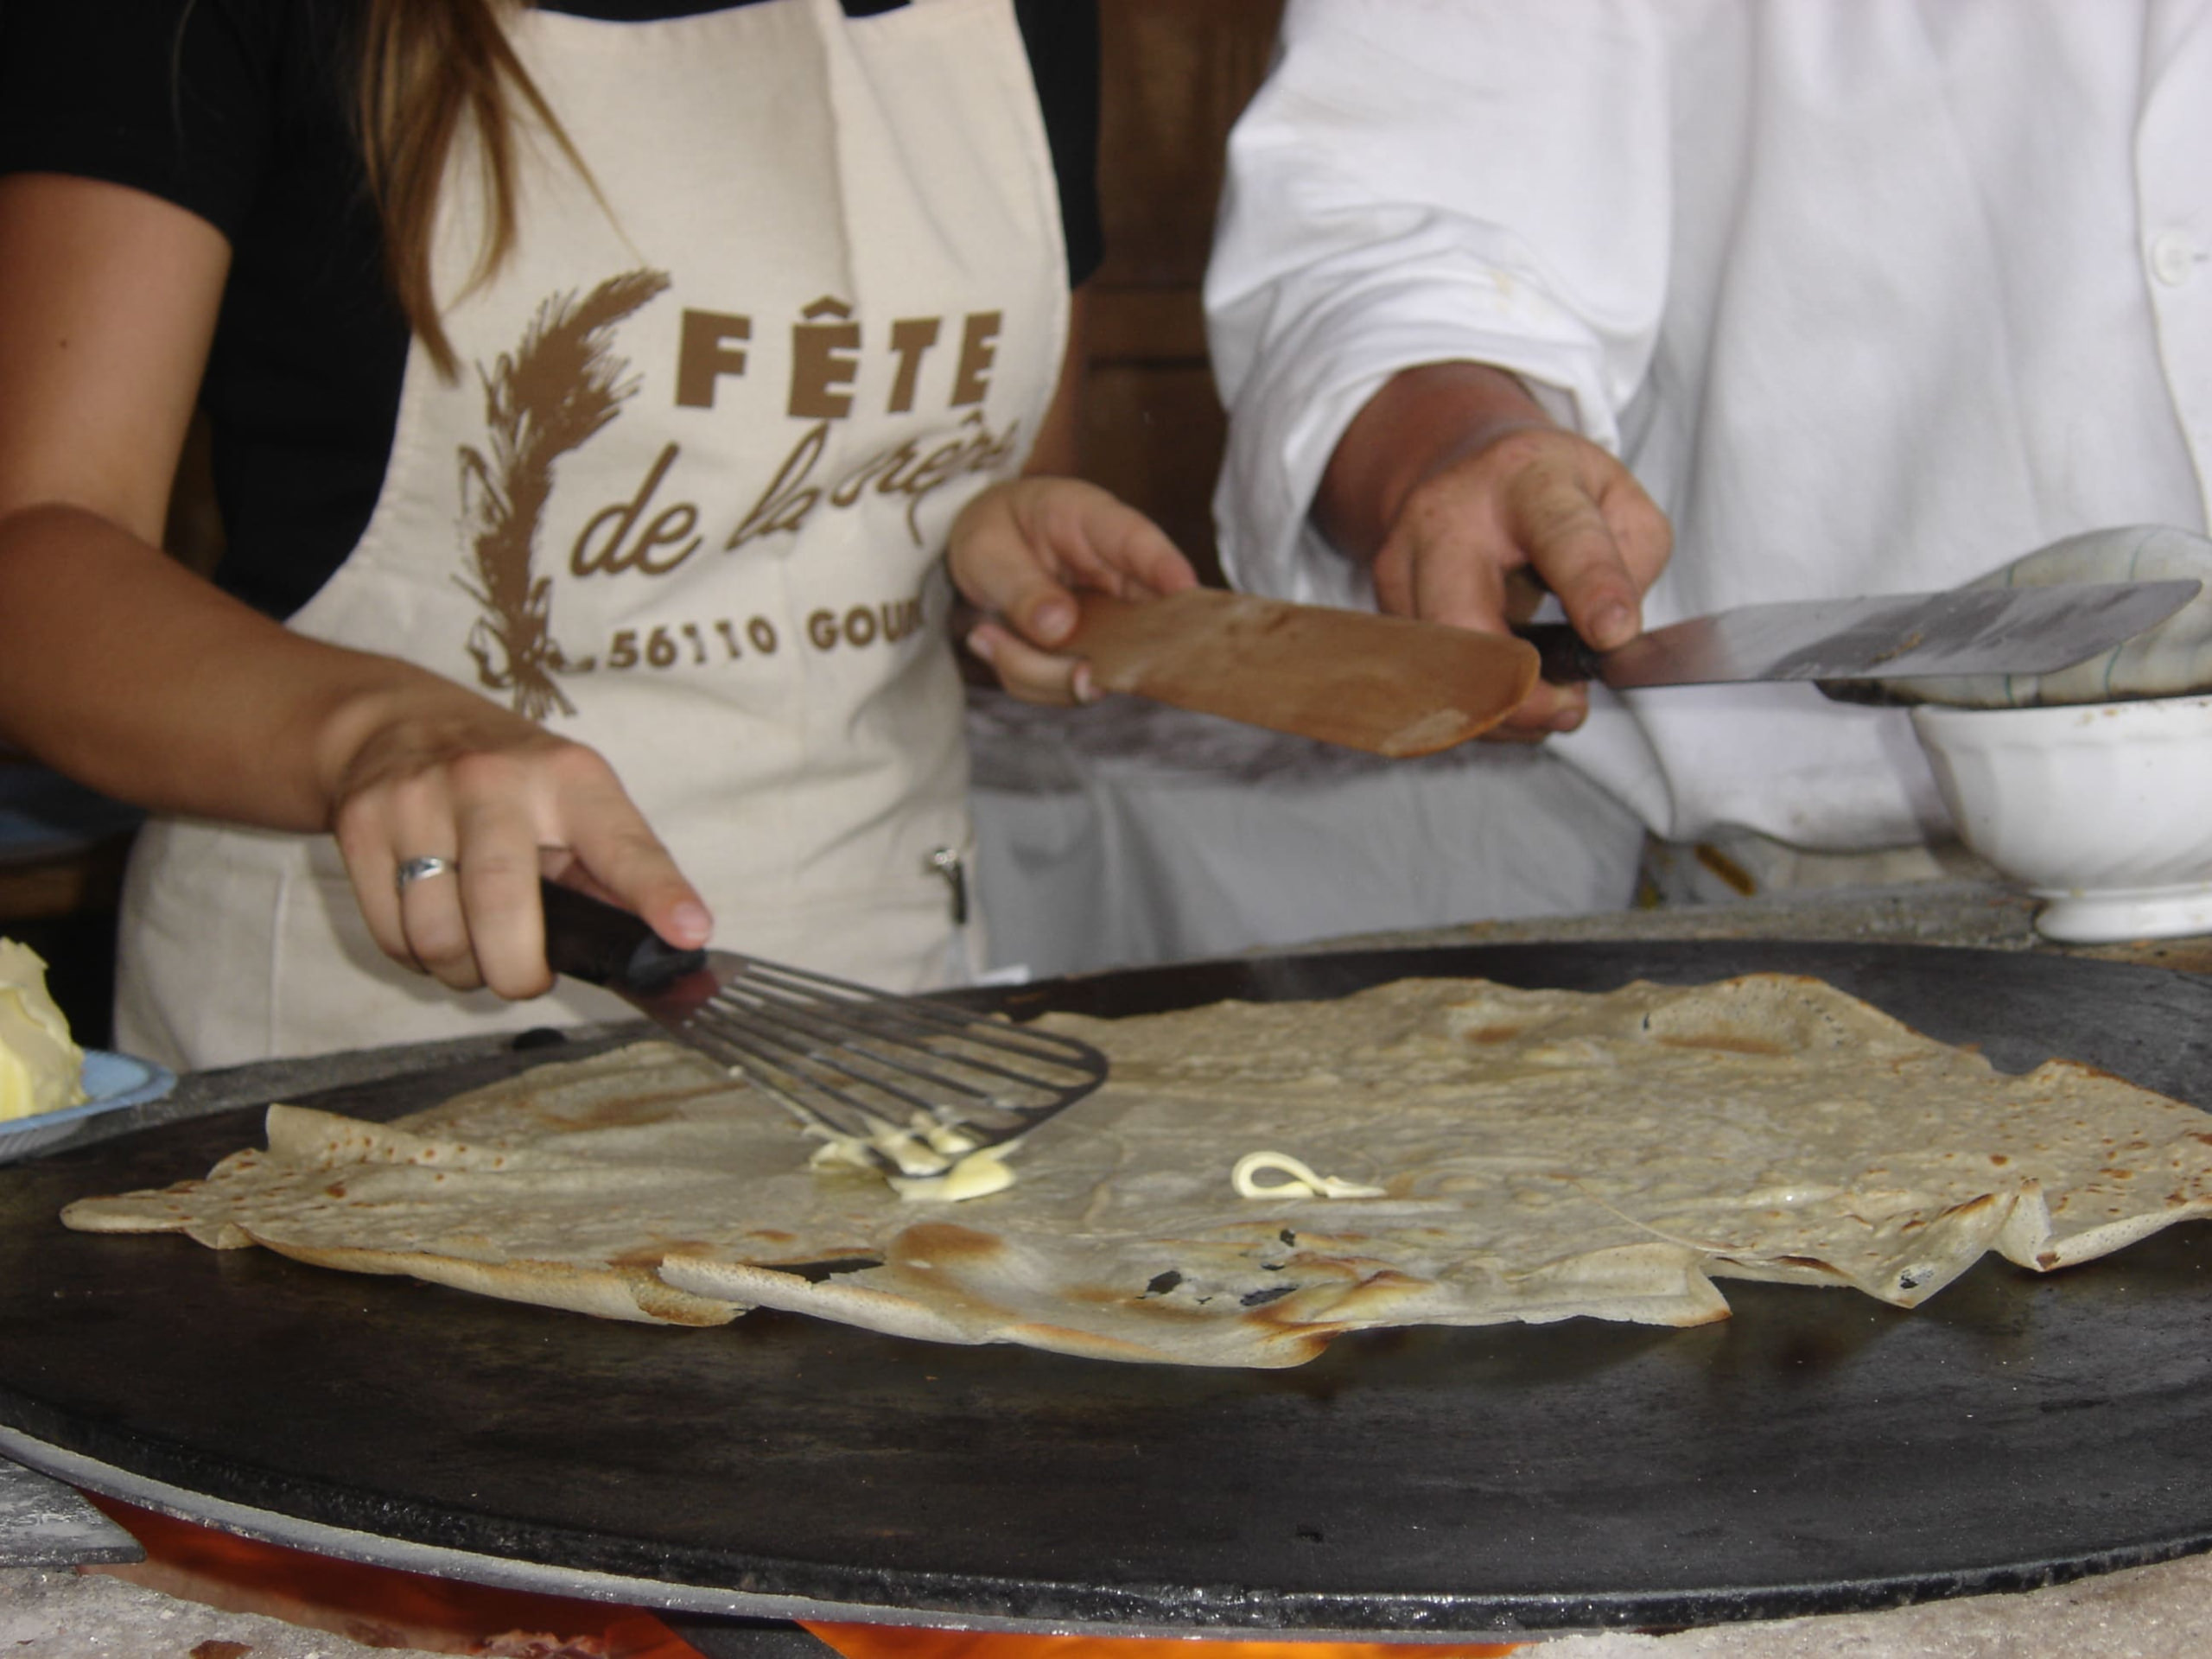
(1176, 74)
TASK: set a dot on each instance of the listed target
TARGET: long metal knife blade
(1898, 636)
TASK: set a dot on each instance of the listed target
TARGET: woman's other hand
(1020, 549)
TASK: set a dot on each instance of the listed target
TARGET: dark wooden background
(1176, 74)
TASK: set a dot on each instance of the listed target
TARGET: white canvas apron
(686, 505)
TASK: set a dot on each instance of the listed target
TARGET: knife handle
(595, 942)
(1562, 656)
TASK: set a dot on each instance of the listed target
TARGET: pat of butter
(975, 1176)
(40, 1070)
(940, 1162)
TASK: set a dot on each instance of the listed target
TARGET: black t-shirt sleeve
(176, 98)
(238, 110)
(181, 98)
(1062, 36)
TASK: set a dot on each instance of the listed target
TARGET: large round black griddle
(1818, 1453)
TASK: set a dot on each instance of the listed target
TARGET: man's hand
(1470, 503)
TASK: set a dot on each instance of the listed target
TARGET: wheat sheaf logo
(561, 386)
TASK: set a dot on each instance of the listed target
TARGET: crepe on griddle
(1542, 1154)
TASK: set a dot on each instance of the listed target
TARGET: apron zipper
(945, 860)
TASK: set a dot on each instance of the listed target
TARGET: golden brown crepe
(1542, 1154)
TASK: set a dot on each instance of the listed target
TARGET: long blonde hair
(427, 68)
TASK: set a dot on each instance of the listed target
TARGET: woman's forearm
(121, 669)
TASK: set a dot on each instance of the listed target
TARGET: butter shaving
(936, 1163)
(1303, 1181)
(975, 1176)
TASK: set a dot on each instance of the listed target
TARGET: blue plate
(111, 1082)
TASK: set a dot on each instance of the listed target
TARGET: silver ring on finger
(412, 870)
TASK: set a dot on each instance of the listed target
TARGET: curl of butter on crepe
(40, 1069)
(1300, 1181)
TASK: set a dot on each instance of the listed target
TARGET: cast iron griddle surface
(1817, 1452)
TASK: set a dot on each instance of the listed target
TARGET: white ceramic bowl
(2102, 809)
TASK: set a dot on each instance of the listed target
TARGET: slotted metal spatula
(919, 1084)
